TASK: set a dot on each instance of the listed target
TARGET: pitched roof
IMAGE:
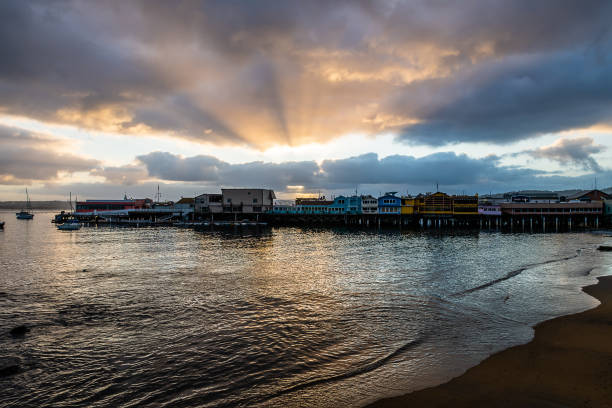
(186, 200)
(586, 193)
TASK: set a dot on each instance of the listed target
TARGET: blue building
(389, 203)
(312, 205)
(346, 205)
(284, 209)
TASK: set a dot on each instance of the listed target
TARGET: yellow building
(441, 204)
(409, 206)
(465, 205)
(436, 204)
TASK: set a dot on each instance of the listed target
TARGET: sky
(111, 98)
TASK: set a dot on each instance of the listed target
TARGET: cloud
(447, 169)
(577, 151)
(369, 174)
(167, 166)
(124, 175)
(294, 72)
(510, 99)
(26, 157)
(173, 167)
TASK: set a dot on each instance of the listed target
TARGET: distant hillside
(607, 190)
(36, 205)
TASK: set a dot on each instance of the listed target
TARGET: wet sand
(567, 364)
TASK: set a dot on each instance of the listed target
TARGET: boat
(24, 215)
(60, 218)
(70, 224)
(27, 213)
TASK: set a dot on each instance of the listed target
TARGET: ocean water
(282, 317)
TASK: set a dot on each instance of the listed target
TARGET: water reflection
(281, 317)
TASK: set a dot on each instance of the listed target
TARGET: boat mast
(28, 205)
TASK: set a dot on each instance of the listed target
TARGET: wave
(353, 373)
(512, 274)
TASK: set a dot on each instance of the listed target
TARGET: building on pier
(410, 205)
(556, 209)
(209, 203)
(185, 204)
(247, 200)
(312, 205)
(389, 203)
(284, 208)
(90, 206)
(607, 212)
(369, 204)
(465, 205)
(489, 209)
(588, 196)
(345, 205)
(529, 196)
(435, 205)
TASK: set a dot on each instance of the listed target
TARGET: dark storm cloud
(53, 58)
(511, 99)
(27, 157)
(292, 72)
(447, 169)
(578, 151)
(168, 166)
(209, 169)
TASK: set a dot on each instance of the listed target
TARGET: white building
(369, 205)
(209, 203)
(247, 200)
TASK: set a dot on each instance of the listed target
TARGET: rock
(9, 366)
(605, 248)
(19, 331)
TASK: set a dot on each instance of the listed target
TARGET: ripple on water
(168, 317)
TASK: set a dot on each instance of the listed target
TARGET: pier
(432, 211)
(532, 223)
(512, 223)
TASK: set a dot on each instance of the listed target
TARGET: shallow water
(283, 317)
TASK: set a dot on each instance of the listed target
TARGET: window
(254, 200)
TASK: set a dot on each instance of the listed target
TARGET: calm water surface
(287, 317)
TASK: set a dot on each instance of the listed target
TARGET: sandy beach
(567, 364)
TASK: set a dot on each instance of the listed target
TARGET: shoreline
(568, 363)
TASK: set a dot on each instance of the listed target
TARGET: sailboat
(71, 224)
(27, 214)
